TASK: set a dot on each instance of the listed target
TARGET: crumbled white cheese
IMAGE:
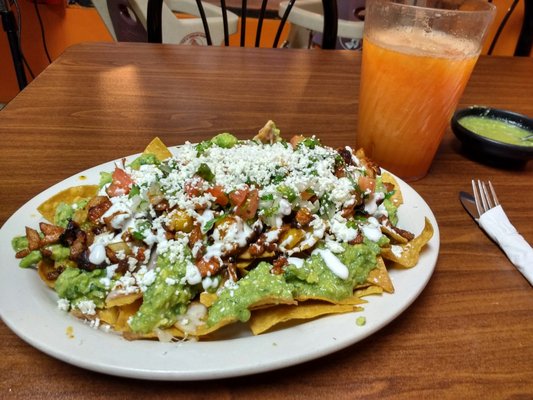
(341, 231)
(210, 283)
(86, 307)
(94, 323)
(397, 250)
(170, 281)
(147, 279)
(63, 304)
(192, 274)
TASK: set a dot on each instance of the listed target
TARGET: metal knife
(469, 204)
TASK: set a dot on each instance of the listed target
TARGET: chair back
(154, 22)
(121, 20)
(524, 43)
(525, 39)
(307, 21)
(126, 21)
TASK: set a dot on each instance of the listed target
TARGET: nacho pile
(266, 232)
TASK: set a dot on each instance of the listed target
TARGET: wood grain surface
(469, 334)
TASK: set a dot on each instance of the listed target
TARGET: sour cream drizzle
(333, 263)
(97, 254)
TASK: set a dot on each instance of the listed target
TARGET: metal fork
(496, 224)
(485, 196)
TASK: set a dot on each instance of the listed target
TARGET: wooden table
(469, 335)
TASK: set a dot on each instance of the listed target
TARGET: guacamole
(313, 279)
(165, 299)
(260, 284)
(78, 286)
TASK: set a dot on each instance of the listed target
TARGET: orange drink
(412, 79)
(408, 97)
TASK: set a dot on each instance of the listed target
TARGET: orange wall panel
(64, 26)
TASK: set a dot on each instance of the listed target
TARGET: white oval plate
(29, 308)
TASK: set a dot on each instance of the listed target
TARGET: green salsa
(498, 129)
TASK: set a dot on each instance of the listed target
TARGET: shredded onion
(163, 336)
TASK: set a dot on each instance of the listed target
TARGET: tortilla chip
(175, 332)
(128, 335)
(242, 266)
(396, 198)
(367, 291)
(264, 319)
(352, 300)
(68, 196)
(125, 313)
(394, 236)
(407, 255)
(163, 335)
(122, 299)
(208, 299)
(108, 315)
(158, 149)
(291, 238)
(271, 301)
(205, 330)
(379, 276)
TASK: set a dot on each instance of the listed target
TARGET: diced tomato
(218, 193)
(306, 195)
(237, 197)
(120, 184)
(249, 207)
(193, 187)
(366, 183)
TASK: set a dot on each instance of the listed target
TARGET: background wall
(64, 26)
(67, 25)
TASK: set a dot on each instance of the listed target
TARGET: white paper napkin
(500, 229)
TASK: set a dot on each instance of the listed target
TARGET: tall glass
(417, 59)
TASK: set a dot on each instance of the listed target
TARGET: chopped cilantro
(203, 146)
(209, 224)
(310, 143)
(205, 172)
(134, 191)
